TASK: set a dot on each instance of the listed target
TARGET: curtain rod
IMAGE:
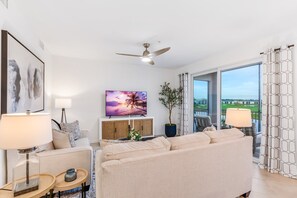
(277, 49)
(183, 73)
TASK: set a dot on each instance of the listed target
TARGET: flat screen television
(123, 103)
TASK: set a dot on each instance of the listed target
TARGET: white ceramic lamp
(239, 117)
(63, 103)
(24, 132)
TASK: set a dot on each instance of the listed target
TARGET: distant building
(240, 101)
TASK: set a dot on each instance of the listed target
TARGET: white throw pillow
(61, 140)
(211, 128)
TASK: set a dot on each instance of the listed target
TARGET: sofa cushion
(61, 140)
(189, 141)
(135, 149)
(105, 142)
(72, 128)
(82, 142)
(224, 135)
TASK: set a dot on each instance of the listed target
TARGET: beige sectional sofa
(200, 165)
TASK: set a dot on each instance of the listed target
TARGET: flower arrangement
(134, 135)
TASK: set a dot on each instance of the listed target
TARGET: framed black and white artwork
(4, 2)
(22, 77)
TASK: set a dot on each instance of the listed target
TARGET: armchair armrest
(57, 161)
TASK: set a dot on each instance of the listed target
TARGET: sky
(240, 83)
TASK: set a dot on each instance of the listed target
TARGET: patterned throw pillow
(72, 128)
(71, 137)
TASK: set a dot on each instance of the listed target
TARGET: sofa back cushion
(224, 135)
(135, 149)
(189, 141)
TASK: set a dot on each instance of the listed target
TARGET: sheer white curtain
(183, 117)
(278, 145)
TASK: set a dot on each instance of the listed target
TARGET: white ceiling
(194, 29)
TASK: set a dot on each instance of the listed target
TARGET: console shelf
(116, 128)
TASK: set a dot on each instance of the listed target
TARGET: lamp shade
(63, 103)
(239, 117)
(23, 131)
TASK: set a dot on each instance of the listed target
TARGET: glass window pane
(205, 101)
(241, 88)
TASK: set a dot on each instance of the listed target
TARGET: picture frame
(5, 3)
(22, 77)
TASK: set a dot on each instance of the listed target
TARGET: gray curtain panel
(183, 117)
(278, 143)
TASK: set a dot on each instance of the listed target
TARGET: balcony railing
(256, 117)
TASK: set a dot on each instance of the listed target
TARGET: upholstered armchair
(55, 161)
(201, 122)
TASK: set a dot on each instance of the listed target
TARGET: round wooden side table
(46, 184)
(81, 179)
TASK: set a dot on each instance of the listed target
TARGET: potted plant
(170, 98)
(134, 135)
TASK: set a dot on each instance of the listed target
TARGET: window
(241, 88)
(205, 101)
(201, 97)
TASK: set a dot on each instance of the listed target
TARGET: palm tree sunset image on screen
(123, 103)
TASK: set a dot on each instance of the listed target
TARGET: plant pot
(170, 130)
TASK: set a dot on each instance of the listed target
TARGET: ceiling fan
(146, 55)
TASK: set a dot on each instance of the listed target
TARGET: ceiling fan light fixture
(146, 59)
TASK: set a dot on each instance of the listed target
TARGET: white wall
(85, 81)
(11, 21)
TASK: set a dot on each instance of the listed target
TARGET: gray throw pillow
(72, 128)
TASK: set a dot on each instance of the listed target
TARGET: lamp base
(22, 187)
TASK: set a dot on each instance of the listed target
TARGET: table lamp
(64, 103)
(239, 118)
(25, 132)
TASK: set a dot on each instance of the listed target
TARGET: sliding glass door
(214, 92)
(205, 101)
(241, 88)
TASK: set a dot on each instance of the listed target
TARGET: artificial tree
(170, 98)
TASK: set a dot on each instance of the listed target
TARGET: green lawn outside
(253, 108)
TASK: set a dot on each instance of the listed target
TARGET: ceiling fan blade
(159, 52)
(151, 62)
(139, 56)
